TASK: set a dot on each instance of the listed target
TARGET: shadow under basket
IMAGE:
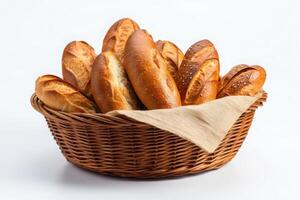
(124, 147)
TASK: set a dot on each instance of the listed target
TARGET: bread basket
(124, 147)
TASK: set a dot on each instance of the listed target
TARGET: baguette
(110, 86)
(148, 73)
(77, 60)
(116, 37)
(198, 74)
(172, 54)
(62, 96)
(242, 80)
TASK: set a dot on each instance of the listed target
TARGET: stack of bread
(135, 73)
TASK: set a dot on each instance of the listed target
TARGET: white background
(33, 35)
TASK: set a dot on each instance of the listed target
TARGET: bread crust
(62, 96)
(110, 86)
(203, 86)
(148, 73)
(198, 74)
(77, 60)
(117, 35)
(172, 54)
(242, 80)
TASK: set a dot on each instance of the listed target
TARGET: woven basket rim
(95, 118)
(39, 106)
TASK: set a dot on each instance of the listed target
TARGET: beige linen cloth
(204, 125)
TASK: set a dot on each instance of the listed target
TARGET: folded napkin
(205, 125)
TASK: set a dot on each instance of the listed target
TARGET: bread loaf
(77, 60)
(198, 74)
(62, 96)
(148, 73)
(116, 37)
(172, 54)
(110, 86)
(242, 80)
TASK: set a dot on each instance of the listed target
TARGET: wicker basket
(124, 147)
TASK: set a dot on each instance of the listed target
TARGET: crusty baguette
(116, 37)
(62, 96)
(110, 86)
(172, 54)
(77, 61)
(198, 74)
(242, 80)
(148, 73)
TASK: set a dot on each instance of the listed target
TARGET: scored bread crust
(110, 86)
(242, 80)
(62, 96)
(200, 66)
(148, 73)
(77, 60)
(172, 54)
(204, 84)
(117, 35)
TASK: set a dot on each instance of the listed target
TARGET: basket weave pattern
(124, 147)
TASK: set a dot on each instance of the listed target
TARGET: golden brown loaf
(242, 80)
(110, 86)
(62, 96)
(172, 54)
(77, 61)
(116, 37)
(198, 74)
(148, 73)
